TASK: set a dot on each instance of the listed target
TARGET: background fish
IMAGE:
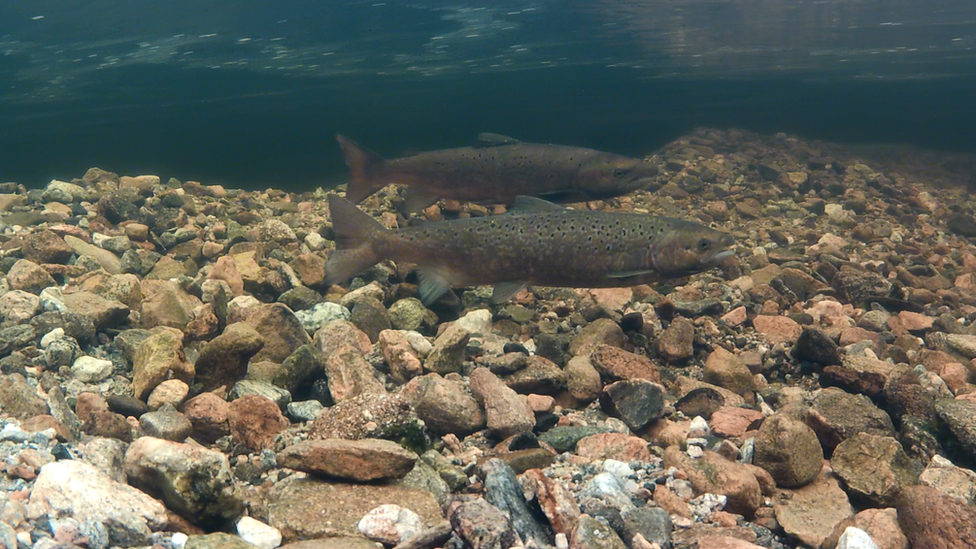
(536, 243)
(498, 170)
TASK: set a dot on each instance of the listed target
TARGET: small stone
(18, 306)
(789, 450)
(476, 322)
(582, 379)
(158, 358)
(617, 364)
(254, 422)
(732, 421)
(481, 524)
(613, 446)
(814, 346)
(444, 405)
(390, 524)
(777, 329)
(171, 392)
(855, 538)
(360, 460)
(636, 401)
(601, 331)
(727, 370)
(448, 352)
(166, 424)
(321, 314)
(305, 410)
(812, 512)
(714, 474)
(407, 314)
(223, 361)
(209, 415)
(592, 533)
(507, 412)
(874, 468)
(676, 342)
(89, 369)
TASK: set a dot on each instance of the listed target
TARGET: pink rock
(814, 510)
(735, 317)
(361, 460)
(541, 404)
(676, 342)
(915, 322)
(732, 421)
(404, 361)
(613, 446)
(226, 269)
(255, 421)
(614, 299)
(350, 375)
(208, 413)
(955, 375)
(882, 526)
(555, 501)
(618, 364)
(29, 276)
(671, 502)
(777, 329)
(507, 412)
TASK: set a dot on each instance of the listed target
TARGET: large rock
(448, 353)
(811, 512)
(507, 412)
(28, 276)
(635, 401)
(874, 468)
(836, 416)
(19, 399)
(616, 364)
(933, 520)
(359, 460)
(713, 474)
(350, 375)
(254, 421)
(282, 331)
(727, 370)
(368, 416)
(158, 358)
(481, 525)
(789, 450)
(167, 304)
(960, 416)
(223, 361)
(107, 511)
(105, 313)
(445, 406)
(194, 482)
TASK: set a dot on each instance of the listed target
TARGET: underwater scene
(630, 274)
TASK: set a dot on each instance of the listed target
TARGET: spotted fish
(496, 171)
(538, 242)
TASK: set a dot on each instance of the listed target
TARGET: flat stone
(732, 421)
(617, 364)
(636, 401)
(874, 468)
(713, 474)
(933, 520)
(359, 460)
(811, 512)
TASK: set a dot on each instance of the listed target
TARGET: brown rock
(448, 353)
(47, 247)
(481, 525)
(350, 375)
(590, 533)
(874, 468)
(103, 312)
(617, 364)
(676, 342)
(714, 474)
(365, 416)
(444, 405)
(310, 268)
(158, 358)
(582, 379)
(166, 304)
(789, 450)
(811, 513)
(403, 360)
(617, 446)
(282, 331)
(601, 331)
(916, 322)
(732, 421)
(777, 329)
(225, 269)
(19, 399)
(880, 524)
(339, 333)
(933, 520)
(671, 502)
(836, 416)
(209, 415)
(254, 421)
(360, 460)
(507, 412)
(103, 423)
(556, 502)
(724, 369)
(223, 361)
(29, 276)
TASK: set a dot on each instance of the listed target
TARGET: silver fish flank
(537, 243)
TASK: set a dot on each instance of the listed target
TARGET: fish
(497, 170)
(536, 242)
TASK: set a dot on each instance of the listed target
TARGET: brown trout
(538, 243)
(497, 171)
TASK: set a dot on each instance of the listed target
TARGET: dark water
(262, 111)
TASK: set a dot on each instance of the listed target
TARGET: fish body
(497, 171)
(537, 243)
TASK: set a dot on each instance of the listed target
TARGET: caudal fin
(355, 233)
(363, 167)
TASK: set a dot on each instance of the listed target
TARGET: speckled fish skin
(539, 243)
(496, 173)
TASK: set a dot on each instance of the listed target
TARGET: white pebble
(51, 336)
(90, 369)
(390, 524)
(258, 533)
(561, 541)
(855, 538)
(178, 540)
(700, 424)
(476, 322)
(695, 451)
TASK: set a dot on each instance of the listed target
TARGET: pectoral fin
(495, 140)
(432, 286)
(417, 199)
(628, 274)
(504, 291)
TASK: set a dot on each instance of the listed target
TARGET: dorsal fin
(532, 204)
(495, 140)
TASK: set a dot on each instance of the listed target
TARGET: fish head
(689, 248)
(615, 176)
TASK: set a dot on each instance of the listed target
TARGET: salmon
(496, 171)
(537, 243)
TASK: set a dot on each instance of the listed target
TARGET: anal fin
(503, 291)
(415, 199)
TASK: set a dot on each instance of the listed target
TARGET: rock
(359, 460)
(47, 247)
(407, 314)
(282, 332)
(789, 450)
(855, 538)
(448, 353)
(874, 468)
(16, 337)
(166, 424)
(601, 331)
(945, 477)
(18, 306)
(300, 369)
(390, 524)
(811, 512)
(194, 482)
(70, 489)
(209, 415)
(103, 312)
(167, 304)
(223, 361)
(310, 508)
(932, 520)
(713, 474)
(582, 379)
(564, 438)
(254, 421)
(963, 344)
(481, 525)
(502, 489)
(836, 416)
(321, 314)
(339, 333)
(637, 402)
(370, 316)
(258, 533)
(106, 259)
(652, 523)
(158, 358)
(613, 445)
(19, 399)
(368, 416)
(28, 276)
(171, 392)
(305, 410)
(814, 346)
(507, 412)
(726, 370)
(860, 286)
(350, 375)
(556, 502)
(732, 421)
(617, 364)
(217, 540)
(591, 533)
(445, 406)
(89, 369)
(881, 525)
(403, 359)
(960, 416)
(676, 342)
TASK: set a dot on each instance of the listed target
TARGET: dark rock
(502, 489)
(300, 298)
(852, 381)
(962, 224)
(960, 416)
(19, 399)
(653, 523)
(564, 439)
(836, 416)
(127, 405)
(16, 337)
(814, 346)
(370, 316)
(874, 468)
(861, 287)
(703, 402)
(481, 525)
(636, 401)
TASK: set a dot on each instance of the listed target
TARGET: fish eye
(704, 244)
(620, 172)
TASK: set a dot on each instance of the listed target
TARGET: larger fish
(497, 171)
(537, 243)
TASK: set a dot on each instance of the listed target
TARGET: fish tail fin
(363, 166)
(355, 233)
